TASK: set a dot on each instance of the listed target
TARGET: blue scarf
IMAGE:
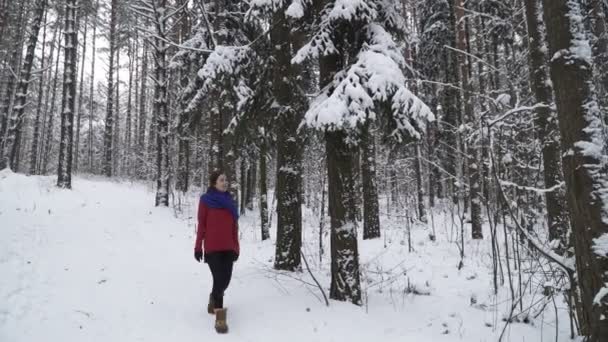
(220, 200)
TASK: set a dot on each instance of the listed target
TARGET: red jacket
(218, 229)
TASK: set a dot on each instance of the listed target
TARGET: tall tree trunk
(127, 152)
(472, 150)
(419, 184)
(116, 145)
(216, 160)
(264, 193)
(546, 123)
(108, 132)
(371, 218)
(68, 102)
(16, 40)
(36, 135)
(16, 120)
(243, 184)
(161, 110)
(91, 92)
(251, 182)
(600, 49)
(345, 277)
(184, 126)
(49, 114)
(80, 95)
(583, 163)
(289, 152)
(141, 130)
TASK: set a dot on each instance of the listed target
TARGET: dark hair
(214, 176)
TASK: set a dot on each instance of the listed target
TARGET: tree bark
(472, 150)
(546, 123)
(36, 135)
(80, 95)
(49, 115)
(345, 279)
(16, 40)
(289, 152)
(161, 108)
(109, 122)
(68, 102)
(264, 193)
(419, 184)
(371, 218)
(583, 161)
(141, 131)
(15, 125)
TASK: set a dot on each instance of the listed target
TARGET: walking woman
(218, 232)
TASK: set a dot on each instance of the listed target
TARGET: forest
(492, 113)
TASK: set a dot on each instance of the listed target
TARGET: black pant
(220, 264)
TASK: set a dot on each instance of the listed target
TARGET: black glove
(235, 257)
(198, 256)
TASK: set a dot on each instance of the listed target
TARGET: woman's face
(221, 184)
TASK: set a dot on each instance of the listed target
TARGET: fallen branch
(313, 278)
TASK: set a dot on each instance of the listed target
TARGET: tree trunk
(68, 102)
(371, 219)
(583, 163)
(289, 151)
(16, 120)
(546, 124)
(116, 150)
(109, 123)
(36, 135)
(49, 115)
(472, 150)
(419, 184)
(16, 40)
(345, 279)
(141, 131)
(91, 92)
(251, 178)
(161, 110)
(128, 125)
(600, 49)
(116, 143)
(243, 184)
(80, 95)
(264, 193)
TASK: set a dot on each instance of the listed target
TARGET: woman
(218, 228)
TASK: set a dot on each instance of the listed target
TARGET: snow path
(100, 263)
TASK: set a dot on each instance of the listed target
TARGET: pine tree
(346, 65)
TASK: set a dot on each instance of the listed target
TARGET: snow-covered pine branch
(376, 77)
(224, 61)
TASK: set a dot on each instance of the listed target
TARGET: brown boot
(220, 321)
(211, 305)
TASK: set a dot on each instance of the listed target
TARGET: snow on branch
(224, 61)
(355, 94)
(196, 43)
(295, 9)
(360, 12)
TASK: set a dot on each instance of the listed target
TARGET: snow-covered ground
(101, 263)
